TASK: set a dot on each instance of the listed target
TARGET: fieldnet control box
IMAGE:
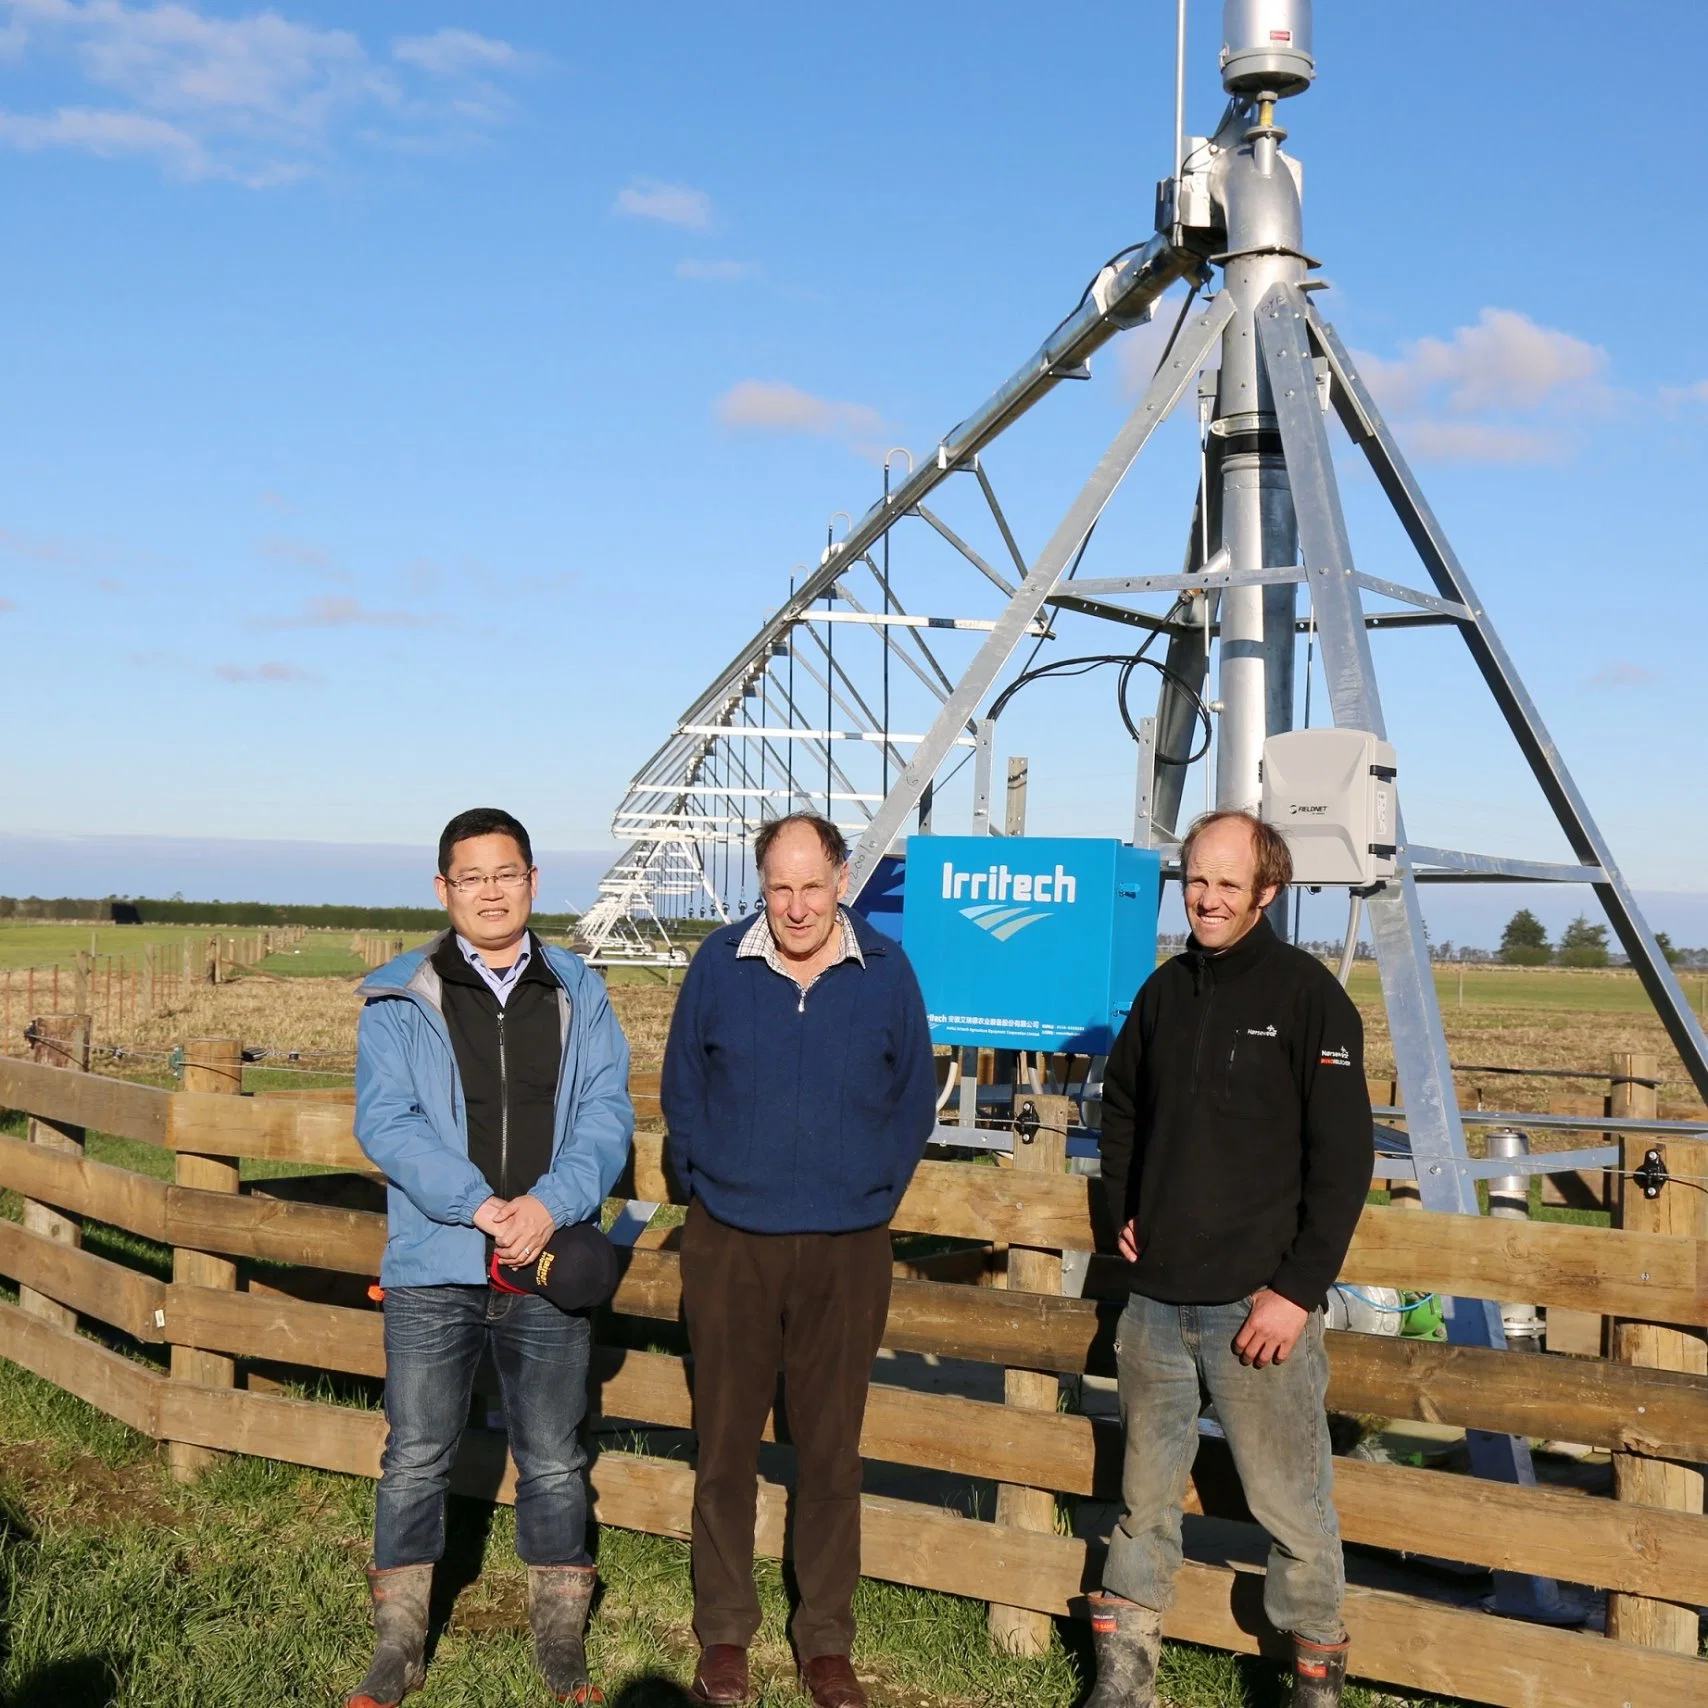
(1330, 792)
(1030, 942)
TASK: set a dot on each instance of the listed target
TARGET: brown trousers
(813, 1306)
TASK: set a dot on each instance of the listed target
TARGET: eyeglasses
(477, 881)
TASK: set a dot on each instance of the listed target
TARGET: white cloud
(340, 611)
(1505, 362)
(107, 134)
(774, 406)
(717, 272)
(670, 204)
(1677, 394)
(269, 671)
(1497, 392)
(1480, 442)
(257, 99)
(1622, 673)
(41, 549)
(1137, 352)
(283, 550)
(455, 53)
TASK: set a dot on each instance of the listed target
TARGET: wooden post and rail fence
(256, 1263)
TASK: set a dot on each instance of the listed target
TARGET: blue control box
(1030, 942)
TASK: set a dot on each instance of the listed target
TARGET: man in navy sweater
(799, 1093)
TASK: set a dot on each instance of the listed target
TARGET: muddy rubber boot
(400, 1636)
(558, 1600)
(1128, 1639)
(1319, 1672)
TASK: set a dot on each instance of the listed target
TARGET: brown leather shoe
(720, 1680)
(831, 1683)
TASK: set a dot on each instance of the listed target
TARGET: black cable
(1179, 321)
(1127, 663)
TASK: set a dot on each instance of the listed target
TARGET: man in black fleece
(1237, 1150)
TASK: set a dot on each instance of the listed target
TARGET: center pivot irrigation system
(853, 700)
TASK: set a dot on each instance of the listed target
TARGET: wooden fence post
(1019, 1630)
(210, 1064)
(62, 1041)
(1680, 1207)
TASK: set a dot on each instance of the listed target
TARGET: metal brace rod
(1164, 391)
(945, 685)
(1410, 596)
(965, 550)
(896, 619)
(1363, 421)
(1496, 865)
(1396, 920)
(856, 710)
(1130, 294)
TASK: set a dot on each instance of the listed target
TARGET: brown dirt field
(1527, 1037)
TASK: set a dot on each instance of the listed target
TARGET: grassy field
(119, 1589)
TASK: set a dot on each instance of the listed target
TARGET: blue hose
(1377, 1305)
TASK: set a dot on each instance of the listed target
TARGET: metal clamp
(1651, 1173)
(1027, 1123)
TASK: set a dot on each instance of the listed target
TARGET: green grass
(120, 1590)
(33, 943)
(1549, 988)
(320, 955)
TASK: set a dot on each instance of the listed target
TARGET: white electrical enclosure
(1330, 792)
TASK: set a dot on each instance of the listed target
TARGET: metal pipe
(1116, 300)
(1179, 92)
(1509, 1201)
(1260, 202)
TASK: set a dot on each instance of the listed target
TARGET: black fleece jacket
(1236, 1125)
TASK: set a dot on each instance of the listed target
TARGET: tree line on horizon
(175, 910)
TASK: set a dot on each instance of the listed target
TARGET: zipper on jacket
(1203, 1027)
(503, 1111)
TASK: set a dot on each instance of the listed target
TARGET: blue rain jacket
(412, 1122)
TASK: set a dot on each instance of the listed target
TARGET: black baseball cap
(576, 1269)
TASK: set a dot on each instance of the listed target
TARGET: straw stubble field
(1546, 1018)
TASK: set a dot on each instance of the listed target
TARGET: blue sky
(406, 406)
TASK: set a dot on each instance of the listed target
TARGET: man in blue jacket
(492, 1092)
(799, 1093)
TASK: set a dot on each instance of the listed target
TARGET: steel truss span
(877, 680)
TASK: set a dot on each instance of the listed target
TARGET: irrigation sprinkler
(796, 718)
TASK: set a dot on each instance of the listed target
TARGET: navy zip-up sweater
(792, 1116)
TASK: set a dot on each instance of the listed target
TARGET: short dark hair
(830, 839)
(482, 821)
(1274, 857)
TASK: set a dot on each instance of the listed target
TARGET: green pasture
(43, 943)
(1560, 989)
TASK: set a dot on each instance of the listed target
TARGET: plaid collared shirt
(760, 945)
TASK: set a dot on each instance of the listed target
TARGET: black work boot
(1128, 1639)
(400, 1636)
(558, 1600)
(1319, 1672)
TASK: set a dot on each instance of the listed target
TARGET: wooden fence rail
(282, 1241)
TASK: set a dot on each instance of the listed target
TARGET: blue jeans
(1277, 1432)
(434, 1337)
